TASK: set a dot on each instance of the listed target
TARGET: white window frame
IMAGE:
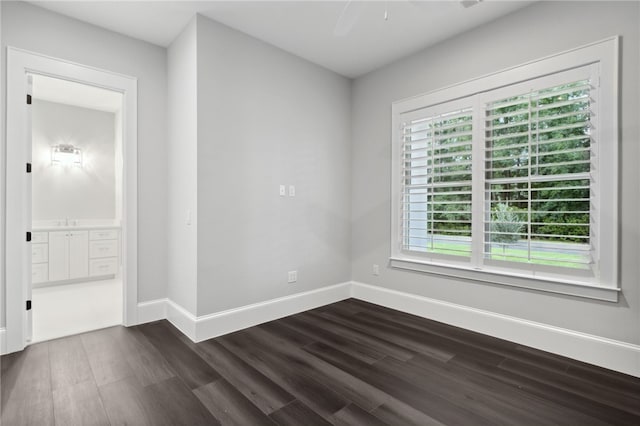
(603, 285)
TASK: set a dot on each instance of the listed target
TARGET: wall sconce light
(66, 155)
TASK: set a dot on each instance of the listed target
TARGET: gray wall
(32, 28)
(534, 32)
(265, 118)
(183, 149)
(87, 192)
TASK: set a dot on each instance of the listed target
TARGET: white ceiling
(304, 28)
(77, 94)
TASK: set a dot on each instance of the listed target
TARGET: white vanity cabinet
(103, 252)
(74, 254)
(58, 256)
(68, 255)
(40, 257)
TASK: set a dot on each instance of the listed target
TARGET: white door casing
(20, 63)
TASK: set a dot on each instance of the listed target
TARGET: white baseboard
(3, 341)
(220, 323)
(607, 353)
(182, 319)
(160, 309)
(153, 310)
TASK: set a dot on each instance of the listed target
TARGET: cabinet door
(103, 234)
(103, 248)
(58, 256)
(39, 253)
(39, 237)
(39, 273)
(78, 254)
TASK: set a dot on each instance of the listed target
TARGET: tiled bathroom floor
(69, 309)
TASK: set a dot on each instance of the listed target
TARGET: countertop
(85, 227)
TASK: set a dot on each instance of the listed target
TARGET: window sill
(609, 294)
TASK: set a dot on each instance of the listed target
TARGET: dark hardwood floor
(350, 363)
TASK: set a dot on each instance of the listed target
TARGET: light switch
(283, 191)
(292, 191)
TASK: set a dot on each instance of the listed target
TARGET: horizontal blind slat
(540, 178)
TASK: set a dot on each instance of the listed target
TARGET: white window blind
(436, 182)
(538, 163)
(511, 178)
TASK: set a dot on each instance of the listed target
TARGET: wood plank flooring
(349, 363)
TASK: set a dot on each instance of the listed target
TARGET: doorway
(76, 207)
(108, 244)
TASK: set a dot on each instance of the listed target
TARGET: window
(513, 175)
(437, 175)
(538, 175)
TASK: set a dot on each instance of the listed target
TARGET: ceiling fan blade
(348, 17)
(468, 3)
(433, 6)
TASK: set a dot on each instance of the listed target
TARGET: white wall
(531, 33)
(265, 118)
(3, 152)
(183, 183)
(77, 193)
(32, 28)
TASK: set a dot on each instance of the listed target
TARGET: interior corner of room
(263, 179)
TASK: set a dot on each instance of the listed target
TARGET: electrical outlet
(293, 276)
(376, 269)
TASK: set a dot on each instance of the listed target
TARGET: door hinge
(28, 305)
(28, 236)
(28, 99)
(28, 167)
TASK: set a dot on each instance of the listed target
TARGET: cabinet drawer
(39, 237)
(105, 248)
(104, 234)
(99, 267)
(39, 253)
(39, 273)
